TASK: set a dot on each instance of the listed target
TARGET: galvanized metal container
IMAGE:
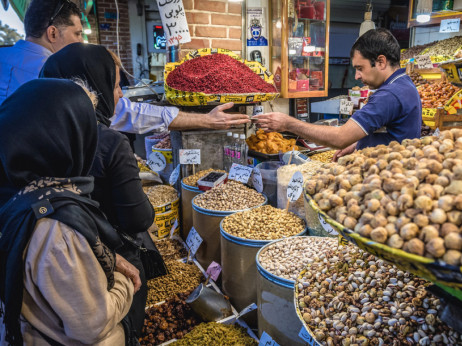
(276, 311)
(207, 224)
(187, 195)
(239, 270)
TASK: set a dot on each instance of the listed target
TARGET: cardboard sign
(190, 156)
(156, 161)
(175, 175)
(266, 340)
(257, 180)
(214, 270)
(450, 25)
(328, 228)
(295, 187)
(193, 241)
(174, 21)
(240, 173)
(423, 61)
(346, 107)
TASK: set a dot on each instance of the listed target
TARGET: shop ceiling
(352, 11)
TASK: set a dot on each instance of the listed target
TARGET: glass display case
(299, 47)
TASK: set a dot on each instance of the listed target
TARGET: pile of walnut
(408, 196)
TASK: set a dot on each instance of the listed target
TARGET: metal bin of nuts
(242, 235)
(347, 296)
(166, 202)
(401, 202)
(210, 207)
(278, 265)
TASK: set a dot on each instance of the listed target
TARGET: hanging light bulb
(424, 10)
(87, 29)
(368, 24)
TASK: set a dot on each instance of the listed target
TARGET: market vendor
(51, 25)
(394, 109)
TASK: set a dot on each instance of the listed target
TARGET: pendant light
(423, 10)
(368, 24)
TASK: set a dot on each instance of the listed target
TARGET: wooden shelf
(435, 17)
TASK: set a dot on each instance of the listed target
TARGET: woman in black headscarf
(117, 184)
(58, 278)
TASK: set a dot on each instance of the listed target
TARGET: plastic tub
(270, 180)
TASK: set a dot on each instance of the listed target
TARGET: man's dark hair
(40, 12)
(377, 42)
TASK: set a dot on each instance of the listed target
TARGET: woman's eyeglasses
(59, 6)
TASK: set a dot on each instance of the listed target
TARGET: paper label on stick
(423, 61)
(156, 161)
(295, 187)
(174, 227)
(214, 270)
(346, 107)
(193, 241)
(328, 228)
(175, 175)
(240, 173)
(266, 340)
(190, 156)
(174, 21)
(257, 180)
(304, 335)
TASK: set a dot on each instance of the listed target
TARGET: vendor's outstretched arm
(332, 136)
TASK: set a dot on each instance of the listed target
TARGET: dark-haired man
(395, 107)
(53, 24)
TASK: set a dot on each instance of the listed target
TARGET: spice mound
(217, 74)
(170, 249)
(193, 179)
(287, 258)
(181, 277)
(230, 196)
(167, 321)
(217, 334)
(347, 296)
(263, 223)
(161, 194)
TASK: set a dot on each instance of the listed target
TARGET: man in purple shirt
(394, 109)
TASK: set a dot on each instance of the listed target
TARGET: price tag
(175, 175)
(240, 173)
(156, 161)
(304, 335)
(193, 241)
(328, 228)
(190, 156)
(428, 112)
(423, 61)
(257, 180)
(295, 187)
(450, 25)
(174, 21)
(266, 340)
(174, 227)
(346, 107)
(214, 270)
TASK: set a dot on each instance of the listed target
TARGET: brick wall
(107, 29)
(213, 24)
(94, 36)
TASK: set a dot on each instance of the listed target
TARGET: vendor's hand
(274, 121)
(219, 120)
(129, 270)
(346, 151)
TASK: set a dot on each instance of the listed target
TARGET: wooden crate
(439, 118)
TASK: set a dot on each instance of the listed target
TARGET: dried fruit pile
(436, 94)
(217, 74)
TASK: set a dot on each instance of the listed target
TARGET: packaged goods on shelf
(285, 173)
(346, 295)
(263, 223)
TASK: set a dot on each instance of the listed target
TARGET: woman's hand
(129, 270)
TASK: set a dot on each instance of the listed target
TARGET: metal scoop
(208, 304)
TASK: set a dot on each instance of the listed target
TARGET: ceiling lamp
(423, 10)
(87, 30)
(368, 24)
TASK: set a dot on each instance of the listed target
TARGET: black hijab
(48, 139)
(93, 64)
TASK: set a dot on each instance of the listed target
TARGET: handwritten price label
(450, 25)
(423, 61)
(175, 175)
(346, 107)
(174, 21)
(190, 156)
(328, 228)
(257, 180)
(240, 173)
(214, 270)
(193, 241)
(174, 227)
(156, 161)
(295, 187)
(306, 336)
(266, 340)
